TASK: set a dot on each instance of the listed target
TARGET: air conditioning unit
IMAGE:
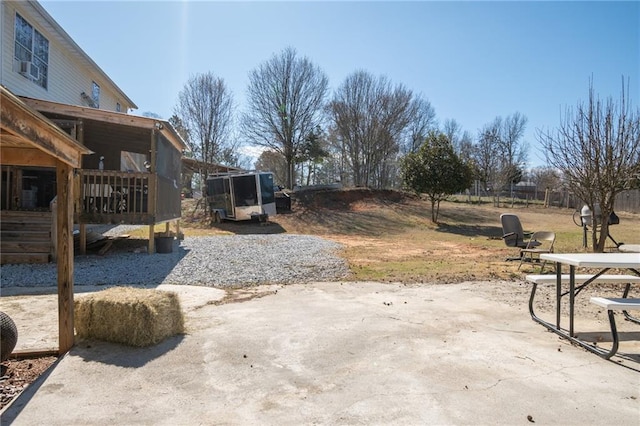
(29, 70)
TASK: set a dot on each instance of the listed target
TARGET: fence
(627, 201)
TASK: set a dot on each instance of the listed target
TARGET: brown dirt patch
(16, 375)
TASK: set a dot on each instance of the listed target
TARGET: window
(95, 95)
(245, 190)
(266, 188)
(118, 107)
(31, 51)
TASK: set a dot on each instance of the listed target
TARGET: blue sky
(473, 61)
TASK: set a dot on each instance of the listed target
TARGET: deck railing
(107, 196)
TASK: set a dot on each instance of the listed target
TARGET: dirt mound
(346, 199)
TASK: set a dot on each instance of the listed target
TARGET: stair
(25, 236)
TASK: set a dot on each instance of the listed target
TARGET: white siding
(69, 74)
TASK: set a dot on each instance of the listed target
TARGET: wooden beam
(90, 113)
(152, 203)
(34, 353)
(64, 178)
(152, 239)
(83, 238)
(26, 157)
(65, 124)
(36, 131)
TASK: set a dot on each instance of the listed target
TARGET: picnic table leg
(558, 292)
(614, 337)
(572, 297)
(550, 326)
(626, 314)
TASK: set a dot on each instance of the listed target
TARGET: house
(41, 61)
(130, 171)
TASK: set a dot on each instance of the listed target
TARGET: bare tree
(205, 109)
(286, 96)
(512, 149)
(275, 163)
(486, 156)
(461, 140)
(423, 120)
(597, 148)
(546, 178)
(500, 153)
(370, 117)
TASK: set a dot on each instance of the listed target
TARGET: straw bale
(132, 316)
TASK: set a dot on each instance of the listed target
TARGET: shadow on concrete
(93, 351)
(122, 355)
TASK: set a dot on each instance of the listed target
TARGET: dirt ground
(16, 375)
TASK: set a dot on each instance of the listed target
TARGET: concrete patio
(340, 353)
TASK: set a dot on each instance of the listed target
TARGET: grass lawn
(396, 241)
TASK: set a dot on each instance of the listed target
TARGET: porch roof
(27, 138)
(194, 165)
(104, 127)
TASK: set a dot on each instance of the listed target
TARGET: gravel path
(220, 261)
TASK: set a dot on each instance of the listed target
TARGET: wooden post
(153, 192)
(152, 239)
(83, 238)
(16, 203)
(64, 182)
(53, 206)
(78, 207)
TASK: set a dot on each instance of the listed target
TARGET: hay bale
(132, 316)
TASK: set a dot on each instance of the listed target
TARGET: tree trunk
(433, 211)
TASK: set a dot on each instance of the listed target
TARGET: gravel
(220, 261)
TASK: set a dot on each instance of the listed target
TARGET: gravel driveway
(220, 261)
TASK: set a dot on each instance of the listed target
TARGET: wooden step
(20, 215)
(25, 223)
(25, 236)
(18, 226)
(10, 258)
(28, 235)
(25, 246)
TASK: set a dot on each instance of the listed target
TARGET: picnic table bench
(580, 281)
(611, 304)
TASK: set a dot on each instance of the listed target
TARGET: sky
(473, 61)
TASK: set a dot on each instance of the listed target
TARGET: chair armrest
(510, 234)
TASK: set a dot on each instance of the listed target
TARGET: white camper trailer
(241, 196)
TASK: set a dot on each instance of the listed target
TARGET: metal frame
(537, 237)
(573, 292)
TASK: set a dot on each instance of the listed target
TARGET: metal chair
(513, 235)
(540, 242)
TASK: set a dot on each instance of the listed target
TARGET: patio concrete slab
(343, 353)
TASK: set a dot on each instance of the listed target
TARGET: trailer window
(266, 187)
(215, 187)
(245, 191)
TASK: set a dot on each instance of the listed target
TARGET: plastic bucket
(164, 244)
